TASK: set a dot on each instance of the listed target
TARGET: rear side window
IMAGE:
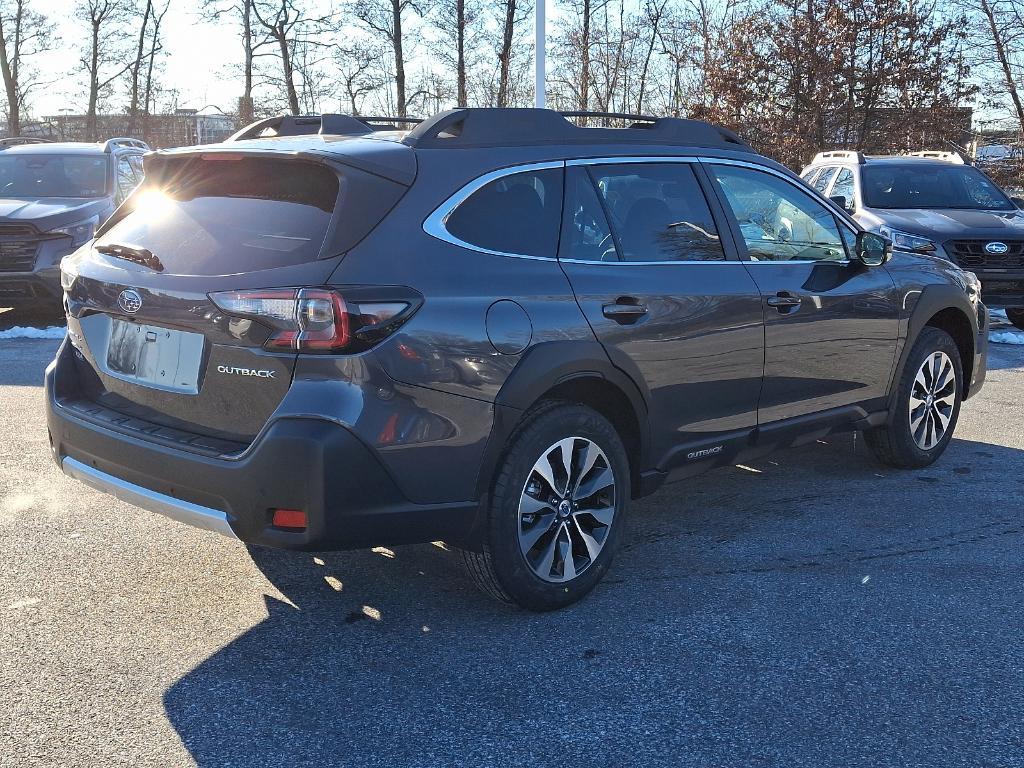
(516, 214)
(844, 186)
(230, 215)
(658, 212)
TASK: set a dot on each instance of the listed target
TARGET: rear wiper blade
(132, 253)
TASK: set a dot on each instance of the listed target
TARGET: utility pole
(541, 38)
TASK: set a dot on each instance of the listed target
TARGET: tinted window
(585, 232)
(220, 217)
(810, 174)
(126, 180)
(778, 221)
(821, 181)
(919, 185)
(658, 212)
(844, 186)
(44, 175)
(516, 214)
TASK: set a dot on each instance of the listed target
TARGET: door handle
(784, 302)
(624, 310)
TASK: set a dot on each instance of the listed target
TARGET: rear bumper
(308, 463)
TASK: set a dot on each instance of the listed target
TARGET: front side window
(822, 180)
(778, 221)
(518, 214)
(126, 180)
(930, 186)
(844, 186)
(26, 176)
(657, 212)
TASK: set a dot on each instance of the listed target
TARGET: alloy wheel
(932, 400)
(566, 509)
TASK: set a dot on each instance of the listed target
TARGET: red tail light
(315, 319)
(294, 519)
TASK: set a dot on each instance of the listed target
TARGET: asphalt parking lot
(811, 609)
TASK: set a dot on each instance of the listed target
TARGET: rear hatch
(154, 349)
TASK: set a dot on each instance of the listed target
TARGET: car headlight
(81, 232)
(908, 242)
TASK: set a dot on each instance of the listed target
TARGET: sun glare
(153, 204)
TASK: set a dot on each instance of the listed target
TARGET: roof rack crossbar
(124, 141)
(326, 124)
(939, 154)
(489, 127)
(839, 154)
(13, 141)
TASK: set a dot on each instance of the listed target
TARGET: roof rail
(847, 155)
(111, 144)
(489, 127)
(306, 125)
(13, 141)
(939, 154)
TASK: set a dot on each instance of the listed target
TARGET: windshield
(917, 185)
(34, 176)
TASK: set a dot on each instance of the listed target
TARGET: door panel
(664, 300)
(831, 325)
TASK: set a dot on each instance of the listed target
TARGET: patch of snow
(999, 313)
(28, 332)
(1007, 337)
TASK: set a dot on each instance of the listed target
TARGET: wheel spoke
(603, 515)
(565, 553)
(603, 478)
(592, 544)
(547, 559)
(529, 505)
(943, 419)
(590, 456)
(529, 538)
(544, 468)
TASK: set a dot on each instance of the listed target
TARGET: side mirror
(873, 250)
(1018, 201)
(842, 202)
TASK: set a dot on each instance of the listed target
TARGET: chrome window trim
(828, 204)
(435, 223)
(633, 159)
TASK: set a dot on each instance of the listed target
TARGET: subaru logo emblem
(997, 248)
(130, 301)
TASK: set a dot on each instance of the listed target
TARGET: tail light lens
(316, 319)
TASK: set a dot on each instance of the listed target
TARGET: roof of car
(54, 148)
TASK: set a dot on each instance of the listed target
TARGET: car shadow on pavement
(739, 619)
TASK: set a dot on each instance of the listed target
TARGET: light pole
(539, 56)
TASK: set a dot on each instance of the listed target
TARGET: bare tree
(458, 23)
(103, 58)
(24, 33)
(385, 20)
(361, 74)
(241, 11)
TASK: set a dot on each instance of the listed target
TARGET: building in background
(183, 127)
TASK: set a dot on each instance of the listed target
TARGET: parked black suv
(932, 203)
(53, 196)
(495, 329)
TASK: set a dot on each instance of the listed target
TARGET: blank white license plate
(157, 357)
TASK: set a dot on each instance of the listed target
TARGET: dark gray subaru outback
(495, 329)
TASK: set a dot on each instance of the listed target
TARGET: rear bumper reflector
(176, 509)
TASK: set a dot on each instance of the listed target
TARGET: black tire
(501, 568)
(894, 443)
(1016, 316)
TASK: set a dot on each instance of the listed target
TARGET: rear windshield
(917, 185)
(33, 176)
(230, 215)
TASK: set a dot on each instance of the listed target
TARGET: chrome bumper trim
(176, 509)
